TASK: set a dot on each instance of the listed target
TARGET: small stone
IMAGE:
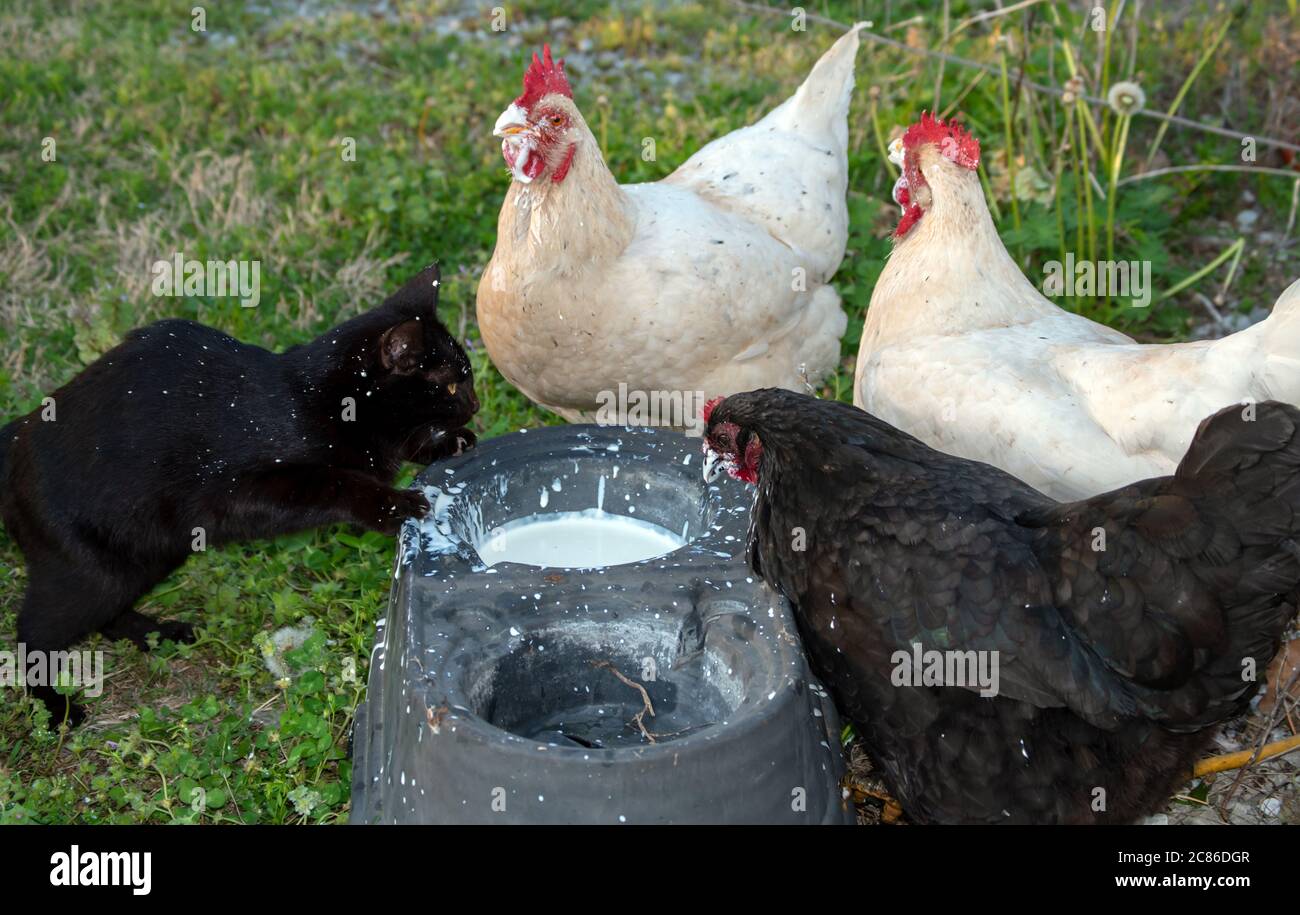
(1271, 807)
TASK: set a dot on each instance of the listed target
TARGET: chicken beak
(896, 151)
(713, 465)
(513, 121)
(518, 143)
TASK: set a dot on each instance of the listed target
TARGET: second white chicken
(961, 350)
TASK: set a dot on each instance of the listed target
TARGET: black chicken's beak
(713, 465)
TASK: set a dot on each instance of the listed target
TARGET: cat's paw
(176, 631)
(76, 714)
(146, 632)
(61, 708)
(70, 713)
(399, 505)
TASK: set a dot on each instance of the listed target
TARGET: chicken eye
(556, 120)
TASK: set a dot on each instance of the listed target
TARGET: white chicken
(711, 281)
(962, 351)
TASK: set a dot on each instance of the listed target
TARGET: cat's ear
(420, 294)
(402, 347)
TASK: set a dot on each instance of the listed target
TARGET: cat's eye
(451, 388)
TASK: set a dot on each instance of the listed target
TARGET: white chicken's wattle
(961, 350)
(711, 281)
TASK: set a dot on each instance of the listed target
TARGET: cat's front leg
(443, 445)
(378, 507)
(294, 498)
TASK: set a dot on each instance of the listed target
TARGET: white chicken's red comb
(543, 77)
(954, 142)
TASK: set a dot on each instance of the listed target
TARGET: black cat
(182, 437)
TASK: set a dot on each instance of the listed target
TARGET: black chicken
(1118, 629)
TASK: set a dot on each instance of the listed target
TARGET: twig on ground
(1282, 746)
(647, 705)
(1245, 758)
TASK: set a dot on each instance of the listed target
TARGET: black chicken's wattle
(1120, 627)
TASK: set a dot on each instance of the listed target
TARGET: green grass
(227, 144)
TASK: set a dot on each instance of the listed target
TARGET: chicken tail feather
(1187, 600)
(822, 102)
(1279, 371)
(1242, 472)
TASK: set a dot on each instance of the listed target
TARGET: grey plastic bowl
(493, 696)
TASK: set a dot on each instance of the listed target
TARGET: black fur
(181, 427)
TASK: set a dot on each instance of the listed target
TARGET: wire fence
(1020, 77)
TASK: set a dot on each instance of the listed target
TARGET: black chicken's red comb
(543, 77)
(708, 407)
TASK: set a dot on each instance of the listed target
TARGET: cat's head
(424, 376)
